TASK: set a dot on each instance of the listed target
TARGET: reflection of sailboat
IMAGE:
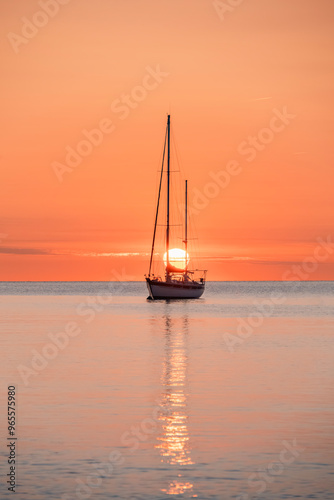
(174, 443)
(179, 281)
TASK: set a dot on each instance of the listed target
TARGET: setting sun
(177, 258)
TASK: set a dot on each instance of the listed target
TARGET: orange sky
(224, 78)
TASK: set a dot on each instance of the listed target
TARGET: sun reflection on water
(174, 442)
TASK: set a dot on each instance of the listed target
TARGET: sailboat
(179, 281)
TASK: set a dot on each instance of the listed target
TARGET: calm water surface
(225, 397)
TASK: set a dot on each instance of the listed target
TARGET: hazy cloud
(25, 251)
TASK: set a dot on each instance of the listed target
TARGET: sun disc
(177, 258)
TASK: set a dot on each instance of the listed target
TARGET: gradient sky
(226, 75)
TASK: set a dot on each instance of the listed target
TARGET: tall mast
(186, 229)
(168, 189)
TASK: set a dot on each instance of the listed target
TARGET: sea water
(230, 396)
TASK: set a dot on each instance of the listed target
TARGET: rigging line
(188, 239)
(176, 149)
(158, 202)
(177, 192)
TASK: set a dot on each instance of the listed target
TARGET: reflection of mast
(174, 441)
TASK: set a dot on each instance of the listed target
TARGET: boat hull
(173, 290)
